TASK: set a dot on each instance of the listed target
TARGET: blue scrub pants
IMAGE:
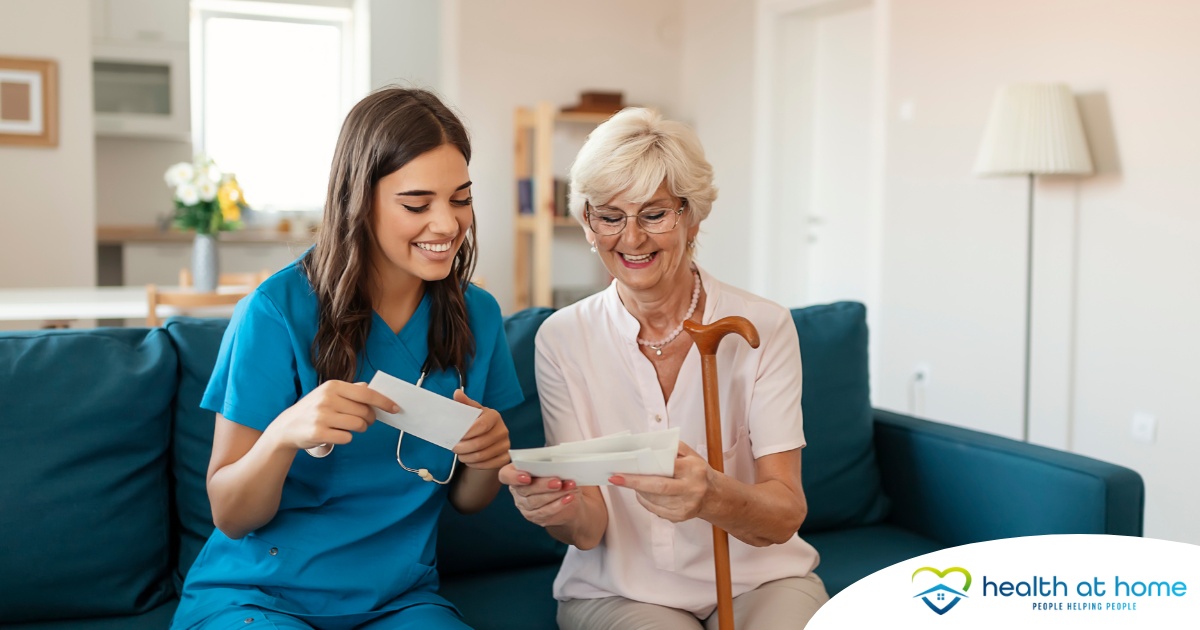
(416, 617)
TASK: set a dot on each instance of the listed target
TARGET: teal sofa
(103, 506)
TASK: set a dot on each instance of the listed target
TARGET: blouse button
(249, 620)
(274, 551)
(657, 418)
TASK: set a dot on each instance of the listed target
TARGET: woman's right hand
(544, 501)
(329, 414)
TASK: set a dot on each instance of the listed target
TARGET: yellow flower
(231, 200)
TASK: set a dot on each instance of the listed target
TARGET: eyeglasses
(652, 220)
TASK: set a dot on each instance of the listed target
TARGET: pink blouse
(593, 381)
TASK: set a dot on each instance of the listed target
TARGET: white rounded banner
(1062, 581)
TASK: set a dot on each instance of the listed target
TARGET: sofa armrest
(960, 486)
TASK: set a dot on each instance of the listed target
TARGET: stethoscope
(323, 450)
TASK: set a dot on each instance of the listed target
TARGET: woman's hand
(675, 499)
(485, 446)
(329, 414)
(544, 501)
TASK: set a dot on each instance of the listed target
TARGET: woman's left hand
(485, 446)
(675, 499)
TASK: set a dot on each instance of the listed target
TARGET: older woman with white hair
(641, 550)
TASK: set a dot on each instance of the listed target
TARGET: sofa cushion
(515, 599)
(85, 521)
(840, 475)
(155, 619)
(197, 342)
(499, 537)
(848, 555)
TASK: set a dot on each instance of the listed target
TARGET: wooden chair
(239, 279)
(188, 299)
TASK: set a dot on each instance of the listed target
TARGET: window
(271, 83)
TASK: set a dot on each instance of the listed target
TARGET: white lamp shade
(1034, 128)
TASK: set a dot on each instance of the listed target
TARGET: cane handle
(709, 336)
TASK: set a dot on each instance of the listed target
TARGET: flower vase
(205, 268)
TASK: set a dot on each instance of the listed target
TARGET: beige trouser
(780, 605)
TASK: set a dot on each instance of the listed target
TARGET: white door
(839, 211)
(823, 245)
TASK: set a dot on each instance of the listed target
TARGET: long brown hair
(382, 133)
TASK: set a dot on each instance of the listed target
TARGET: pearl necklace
(657, 346)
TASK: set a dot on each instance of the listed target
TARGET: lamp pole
(1028, 313)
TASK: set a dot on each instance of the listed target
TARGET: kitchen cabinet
(140, 73)
(152, 22)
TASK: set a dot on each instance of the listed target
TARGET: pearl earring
(593, 248)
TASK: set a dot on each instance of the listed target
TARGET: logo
(937, 596)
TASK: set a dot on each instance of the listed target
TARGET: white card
(592, 462)
(431, 417)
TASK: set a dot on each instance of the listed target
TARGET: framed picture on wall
(28, 102)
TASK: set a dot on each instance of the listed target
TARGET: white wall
(717, 99)
(129, 184)
(1117, 256)
(515, 53)
(47, 203)
(405, 43)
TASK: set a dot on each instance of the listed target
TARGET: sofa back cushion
(84, 514)
(839, 471)
(197, 342)
(499, 537)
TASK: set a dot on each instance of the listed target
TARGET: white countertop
(71, 303)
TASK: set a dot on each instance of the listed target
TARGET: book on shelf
(561, 189)
(525, 195)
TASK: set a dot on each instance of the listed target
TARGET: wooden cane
(707, 339)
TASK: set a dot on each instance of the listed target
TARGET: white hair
(633, 153)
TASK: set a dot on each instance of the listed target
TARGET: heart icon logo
(941, 597)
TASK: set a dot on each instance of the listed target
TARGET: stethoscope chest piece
(323, 450)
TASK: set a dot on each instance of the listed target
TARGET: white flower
(207, 190)
(210, 173)
(187, 194)
(179, 173)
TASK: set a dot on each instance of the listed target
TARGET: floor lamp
(1034, 129)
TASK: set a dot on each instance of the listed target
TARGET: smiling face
(642, 261)
(421, 215)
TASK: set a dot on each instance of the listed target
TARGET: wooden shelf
(526, 118)
(533, 130)
(588, 118)
(529, 223)
(121, 234)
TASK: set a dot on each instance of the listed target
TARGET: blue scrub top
(355, 533)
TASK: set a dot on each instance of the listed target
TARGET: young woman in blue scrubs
(322, 518)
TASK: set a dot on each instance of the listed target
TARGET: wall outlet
(1142, 427)
(921, 372)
